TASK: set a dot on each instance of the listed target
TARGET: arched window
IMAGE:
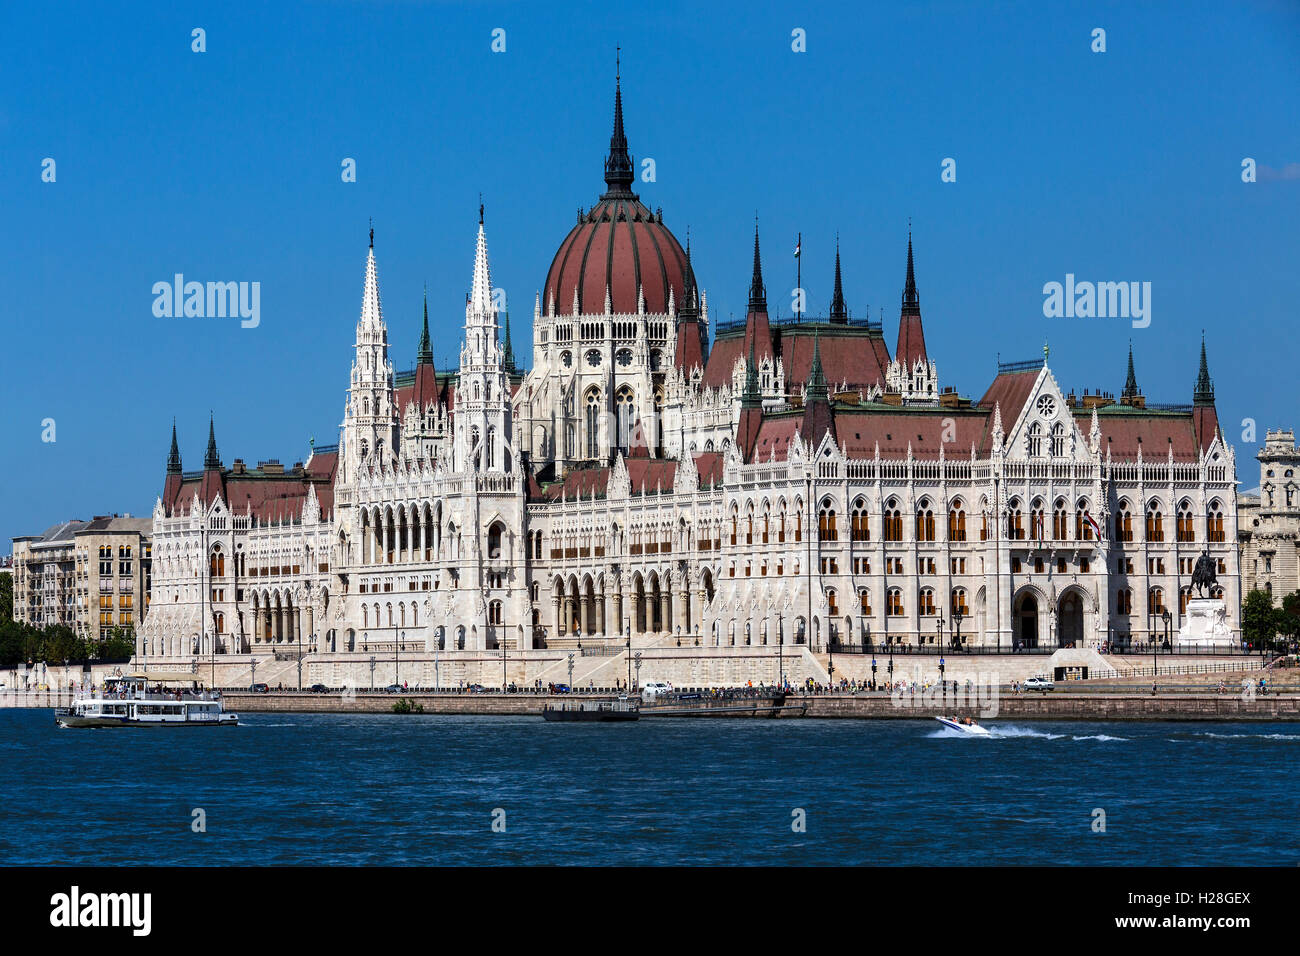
(864, 601)
(894, 607)
(1058, 440)
(861, 530)
(924, 521)
(625, 409)
(494, 540)
(826, 530)
(1184, 529)
(1124, 521)
(956, 521)
(1035, 440)
(1059, 520)
(494, 613)
(1155, 522)
(593, 423)
(1015, 521)
(893, 521)
(1155, 601)
(831, 600)
(958, 604)
(1083, 521)
(925, 603)
(1037, 521)
(1214, 522)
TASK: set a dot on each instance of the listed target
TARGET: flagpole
(798, 267)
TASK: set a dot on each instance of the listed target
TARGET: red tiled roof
(270, 497)
(911, 340)
(859, 431)
(850, 357)
(1010, 390)
(1124, 432)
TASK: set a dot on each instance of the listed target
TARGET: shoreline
(1113, 706)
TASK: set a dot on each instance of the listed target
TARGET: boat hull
(971, 730)
(64, 719)
(588, 716)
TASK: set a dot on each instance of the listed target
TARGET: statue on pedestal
(1203, 575)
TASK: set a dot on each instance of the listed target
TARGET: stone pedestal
(1206, 624)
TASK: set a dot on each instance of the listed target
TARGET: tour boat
(585, 710)
(954, 723)
(140, 700)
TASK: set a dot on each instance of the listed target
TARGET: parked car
(562, 689)
(655, 688)
(1039, 683)
(259, 688)
(318, 689)
(394, 689)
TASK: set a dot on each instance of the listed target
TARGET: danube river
(387, 789)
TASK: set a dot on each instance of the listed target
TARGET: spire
(425, 354)
(751, 397)
(1204, 394)
(211, 459)
(618, 164)
(818, 419)
(817, 389)
(481, 290)
(174, 456)
(911, 301)
(1130, 383)
(839, 312)
(508, 359)
(372, 313)
(757, 294)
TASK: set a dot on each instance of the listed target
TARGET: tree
(1259, 619)
(6, 596)
(1289, 616)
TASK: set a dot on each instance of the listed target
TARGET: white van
(655, 688)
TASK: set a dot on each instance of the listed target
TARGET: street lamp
(956, 620)
(638, 657)
(252, 662)
(943, 685)
(873, 671)
(397, 648)
(889, 643)
(570, 671)
(638, 669)
(372, 671)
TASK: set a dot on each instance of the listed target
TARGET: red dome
(620, 244)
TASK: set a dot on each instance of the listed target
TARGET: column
(602, 614)
(555, 605)
(665, 593)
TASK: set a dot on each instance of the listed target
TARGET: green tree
(1289, 616)
(1259, 619)
(6, 597)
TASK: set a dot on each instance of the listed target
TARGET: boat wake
(1011, 731)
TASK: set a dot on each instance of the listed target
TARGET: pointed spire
(508, 357)
(174, 456)
(372, 313)
(751, 397)
(817, 389)
(1204, 394)
(211, 459)
(911, 301)
(618, 164)
(839, 312)
(481, 289)
(757, 294)
(425, 354)
(1130, 383)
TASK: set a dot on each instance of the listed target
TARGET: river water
(325, 789)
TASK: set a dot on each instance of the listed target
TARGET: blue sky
(225, 165)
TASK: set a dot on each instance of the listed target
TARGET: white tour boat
(972, 728)
(143, 700)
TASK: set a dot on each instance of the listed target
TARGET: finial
(480, 209)
(618, 72)
(1046, 351)
(372, 232)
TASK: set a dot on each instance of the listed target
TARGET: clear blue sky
(225, 165)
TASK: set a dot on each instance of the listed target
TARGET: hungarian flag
(1096, 529)
(797, 245)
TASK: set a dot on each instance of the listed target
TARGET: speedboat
(972, 728)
